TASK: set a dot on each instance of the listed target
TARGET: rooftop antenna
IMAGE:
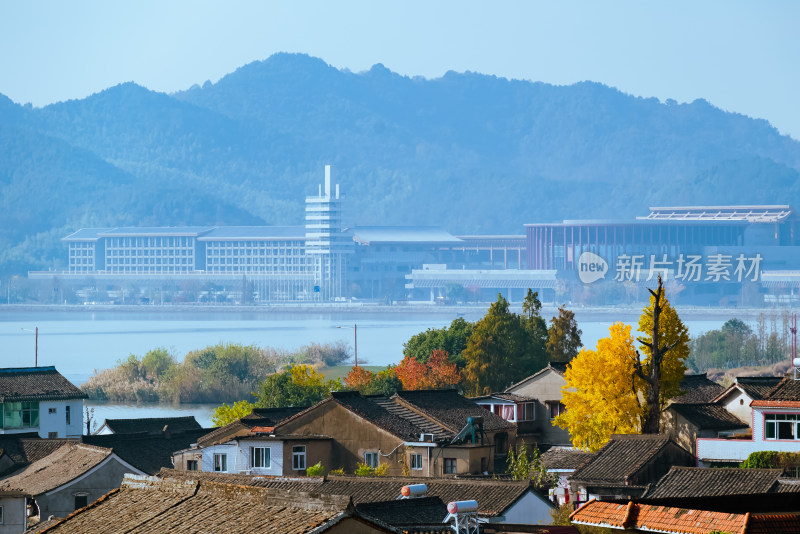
(795, 359)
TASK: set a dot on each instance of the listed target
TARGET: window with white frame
(221, 462)
(260, 457)
(371, 459)
(416, 461)
(781, 426)
(299, 457)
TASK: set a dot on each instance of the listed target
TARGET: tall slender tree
(563, 336)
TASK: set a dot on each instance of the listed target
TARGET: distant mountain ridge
(470, 152)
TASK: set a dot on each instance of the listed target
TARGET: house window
(221, 462)
(449, 466)
(260, 457)
(81, 500)
(526, 411)
(51, 410)
(781, 426)
(299, 457)
(20, 415)
(191, 465)
(68, 414)
(556, 408)
(52, 435)
(371, 459)
(416, 461)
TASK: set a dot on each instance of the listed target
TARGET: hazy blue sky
(741, 56)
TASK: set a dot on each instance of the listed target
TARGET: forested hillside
(470, 152)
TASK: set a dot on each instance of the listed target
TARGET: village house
(563, 461)
(412, 433)
(626, 466)
(545, 389)
(154, 426)
(41, 400)
(50, 480)
(499, 501)
(775, 427)
(744, 390)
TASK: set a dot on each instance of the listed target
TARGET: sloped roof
(558, 367)
(146, 452)
(450, 409)
(36, 383)
(698, 390)
(493, 496)
(28, 448)
(152, 425)
(755, 387)
(565, 458)
(378, 415)
(682, 482)
(146, 504)
(406, 512)
(424, 424)
(70, 461)
(621, 458)
(786, 393)
(259, 417)
(709, 416)
(511, 397)
(666, 519)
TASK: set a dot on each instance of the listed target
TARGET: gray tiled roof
(378, 415)
(709, 416)
(698, 389)
(406, 512)
(787, 389)
(68, 462)
(493, 496)
(240, 427)
(450, 409)
(682, 482)
(152, 424)
(757, 387)
(147, 452)
(622, 457)
(36, 383)
(565, 458)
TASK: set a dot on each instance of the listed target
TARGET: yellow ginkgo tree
(600, 396)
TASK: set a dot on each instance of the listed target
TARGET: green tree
(225, 414)
(502, 348)
(563, 336)
(156, 363)
(296, 385)
(452, 339)
(522, 465)
(665, 344)
(536, 328)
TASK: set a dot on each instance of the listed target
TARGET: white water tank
(460, 507)
(796, 362)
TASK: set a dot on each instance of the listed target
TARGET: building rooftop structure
(699, 389)
(149, 425)
(709, 416)
(253, 233)
(565, 458)
(755, 387)
(633, 517)
(258, 418)
(750, 214)
(36, 384)
(699, 482)
(148, 504)
(494, 496)
(68, 462)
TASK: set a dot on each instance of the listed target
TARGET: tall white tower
(325, 241)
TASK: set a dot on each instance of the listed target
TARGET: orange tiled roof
(657, 518)
(776, 403)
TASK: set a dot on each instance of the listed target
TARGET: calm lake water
(79, 342)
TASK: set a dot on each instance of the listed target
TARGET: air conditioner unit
(246, 472)
(426, 438)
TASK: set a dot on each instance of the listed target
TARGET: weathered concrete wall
(14, 512)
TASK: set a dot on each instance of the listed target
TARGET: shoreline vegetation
(225, 372)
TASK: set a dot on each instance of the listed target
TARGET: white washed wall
(239, 456)
(739, 449)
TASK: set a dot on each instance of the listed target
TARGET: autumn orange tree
(367, 382)
(437, 372)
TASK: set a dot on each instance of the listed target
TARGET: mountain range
(470, 152)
